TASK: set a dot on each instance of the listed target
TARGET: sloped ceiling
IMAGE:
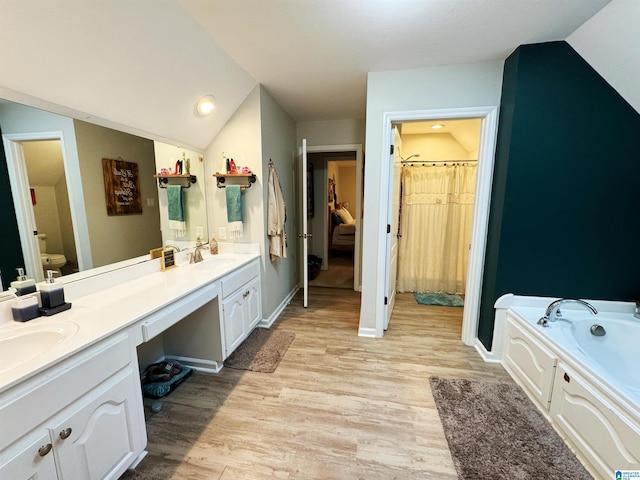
(145, 63)
(610, 42)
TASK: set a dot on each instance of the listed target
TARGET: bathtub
(587, 386)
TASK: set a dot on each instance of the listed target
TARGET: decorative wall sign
(121, 187)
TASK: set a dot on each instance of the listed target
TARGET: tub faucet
(553, 310)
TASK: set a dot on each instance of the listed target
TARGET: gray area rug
(134, 475)
(494, 431)
(441, 299)
(261, 351)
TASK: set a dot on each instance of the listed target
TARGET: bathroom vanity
(70, 395)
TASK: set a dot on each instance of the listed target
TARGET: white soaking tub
(588, 386)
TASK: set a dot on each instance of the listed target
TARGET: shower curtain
(435, 227)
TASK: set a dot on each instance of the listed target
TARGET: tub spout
(553, 310)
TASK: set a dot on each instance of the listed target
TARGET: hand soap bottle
(213, 246)
(52, 296)
(22, 284)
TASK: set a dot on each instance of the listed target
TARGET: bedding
(343, 233)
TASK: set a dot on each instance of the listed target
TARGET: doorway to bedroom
(332, 251)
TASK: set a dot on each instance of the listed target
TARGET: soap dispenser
(22, 284)
(52, 296)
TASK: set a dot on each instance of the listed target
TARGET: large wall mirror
(85, 195)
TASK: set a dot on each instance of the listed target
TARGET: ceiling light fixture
(206, 105)
(437, 126)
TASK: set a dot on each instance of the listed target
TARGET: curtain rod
(433, 162)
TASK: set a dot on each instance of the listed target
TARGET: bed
(343, 230)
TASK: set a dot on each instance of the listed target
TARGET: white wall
(610, 42)
(454, 86)
(433, 146)
(239, 139)
(332, 132)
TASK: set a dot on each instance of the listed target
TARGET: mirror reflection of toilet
(50, 261)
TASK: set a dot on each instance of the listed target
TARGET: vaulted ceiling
(145, 63)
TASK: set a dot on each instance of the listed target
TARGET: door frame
(352, 147)
(19, 181)
(482, 203)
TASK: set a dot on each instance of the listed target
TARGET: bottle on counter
(51, 293)
(23, 285)
(213, 246)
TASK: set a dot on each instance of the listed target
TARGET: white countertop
(95, 316)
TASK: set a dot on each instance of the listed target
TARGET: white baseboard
(267, 322)
(489, 357)
(367, 332)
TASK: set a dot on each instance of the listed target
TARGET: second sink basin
(25, 342)
(214, 262)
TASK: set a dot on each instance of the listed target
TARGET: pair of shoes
(160, 372)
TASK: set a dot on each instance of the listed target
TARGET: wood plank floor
(338, 406)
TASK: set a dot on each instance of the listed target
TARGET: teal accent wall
(10, 249)
(565, 205)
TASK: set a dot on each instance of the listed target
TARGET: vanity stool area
(70, 394)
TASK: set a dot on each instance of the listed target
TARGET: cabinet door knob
(246, 294)
(45, 449)
(66, 433)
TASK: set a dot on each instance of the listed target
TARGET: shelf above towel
(184, 180)
(245, 180)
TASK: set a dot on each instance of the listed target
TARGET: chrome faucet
(553, 310)
(196, 256)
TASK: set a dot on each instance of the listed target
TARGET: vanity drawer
(237, 279)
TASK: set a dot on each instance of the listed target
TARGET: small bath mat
(442, 299)
(261, 351)
(494, 431)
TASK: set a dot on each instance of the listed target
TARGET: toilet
(50, 261)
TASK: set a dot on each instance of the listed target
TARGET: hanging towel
(175, 206)
(234, 210)
(276, 216)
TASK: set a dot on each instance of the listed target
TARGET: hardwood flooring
(339, 274)
(338, 406)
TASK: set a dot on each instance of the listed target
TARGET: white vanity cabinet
(80, 419)
(241, 305)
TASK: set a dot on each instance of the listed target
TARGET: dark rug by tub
(261, 351)
(441, 299)
(134, 475)
(495, 432)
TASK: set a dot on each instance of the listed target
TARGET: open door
(395, 167)
(304, 231)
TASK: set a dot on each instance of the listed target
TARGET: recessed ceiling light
(437, 126)
(206, 105)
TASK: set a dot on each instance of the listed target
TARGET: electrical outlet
(222, 233)
(151, 202)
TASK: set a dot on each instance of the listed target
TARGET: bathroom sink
(214, 262)
(25, 342)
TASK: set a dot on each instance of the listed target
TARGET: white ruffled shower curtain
(435, 227)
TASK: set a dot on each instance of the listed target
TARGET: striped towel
(234, 210)
(175, 205)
